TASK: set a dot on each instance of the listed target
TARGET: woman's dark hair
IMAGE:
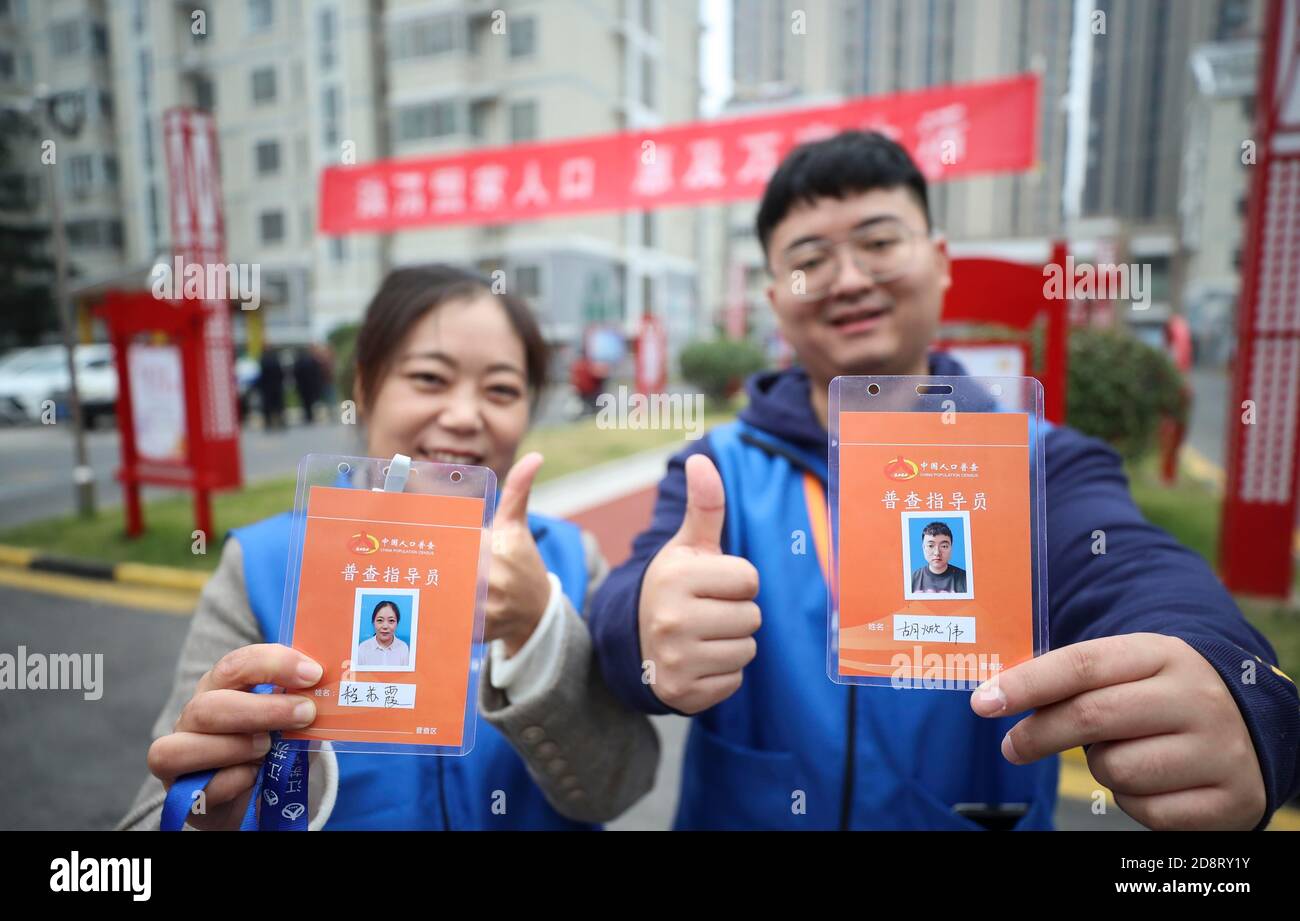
(385, 604)
(407, 294)
(847, 164)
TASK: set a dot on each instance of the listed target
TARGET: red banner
(952, 131)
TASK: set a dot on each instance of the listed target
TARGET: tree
(27, 310)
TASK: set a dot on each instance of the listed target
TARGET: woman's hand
(226, 726)
(518, 588)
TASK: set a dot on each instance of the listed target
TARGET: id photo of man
(938, 557)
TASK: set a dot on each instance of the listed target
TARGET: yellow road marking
(160, 576)
(16, 556)
(1201, 467)
(165, 601)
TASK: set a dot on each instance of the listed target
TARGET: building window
(647, 228)
(426, 120)
(329, 104)
(523, 121)
(260, 15)
(647, 81)
(648, 17)
(65, 38)
(99, 39)
(327, 27)
(266, 154)
(478, 119)
(528, 281)
(110, 170)
(7, 68)
(422, 38)
(271, 226)
(205, 94)
(81, 173)
(338, 249)
(95, 233)
(523, 36)
(264, 85)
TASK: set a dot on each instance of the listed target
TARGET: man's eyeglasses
(884, 251)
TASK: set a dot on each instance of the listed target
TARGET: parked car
(35, 375)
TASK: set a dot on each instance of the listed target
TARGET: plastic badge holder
(374, 541)
(912, 461)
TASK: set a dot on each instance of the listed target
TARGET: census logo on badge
(363, 543)
(900, 468)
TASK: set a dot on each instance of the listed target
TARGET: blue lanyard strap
(281, 788)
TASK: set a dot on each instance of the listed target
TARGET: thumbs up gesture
(697, 615)
(518, 589)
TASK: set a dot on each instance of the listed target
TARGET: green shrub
(718, 368)
(1120, 388)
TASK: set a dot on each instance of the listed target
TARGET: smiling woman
(447, 371)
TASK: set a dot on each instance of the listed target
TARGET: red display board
(651, 356)
(1014, 294)
(952, 131)
(1259, 502)
(162, 447)
(177, 406)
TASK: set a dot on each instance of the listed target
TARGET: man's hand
(1166, 735)
(697, 614)
(518, 589)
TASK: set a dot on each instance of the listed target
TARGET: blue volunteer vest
(426, 792)
(791, 739)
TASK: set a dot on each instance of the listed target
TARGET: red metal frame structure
(130, 316)
(1259, 501)
(651, 355)
(1013, 294)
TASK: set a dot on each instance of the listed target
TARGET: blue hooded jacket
(426, 792)
(792, 749)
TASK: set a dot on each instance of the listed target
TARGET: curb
(164, 577)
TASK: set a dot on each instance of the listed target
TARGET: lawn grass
(169, 516)
(1190, 511)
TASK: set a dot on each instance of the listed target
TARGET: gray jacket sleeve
(591, 756)
(222, 622)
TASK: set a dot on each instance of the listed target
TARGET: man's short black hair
(847, 164)
(937, 529)
(385, 604)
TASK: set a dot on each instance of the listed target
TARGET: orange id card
(935, 554)
(386, 604)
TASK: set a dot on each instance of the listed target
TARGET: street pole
(83, 475)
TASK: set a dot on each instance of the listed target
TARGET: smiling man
(1185, 715)
(938, 575)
